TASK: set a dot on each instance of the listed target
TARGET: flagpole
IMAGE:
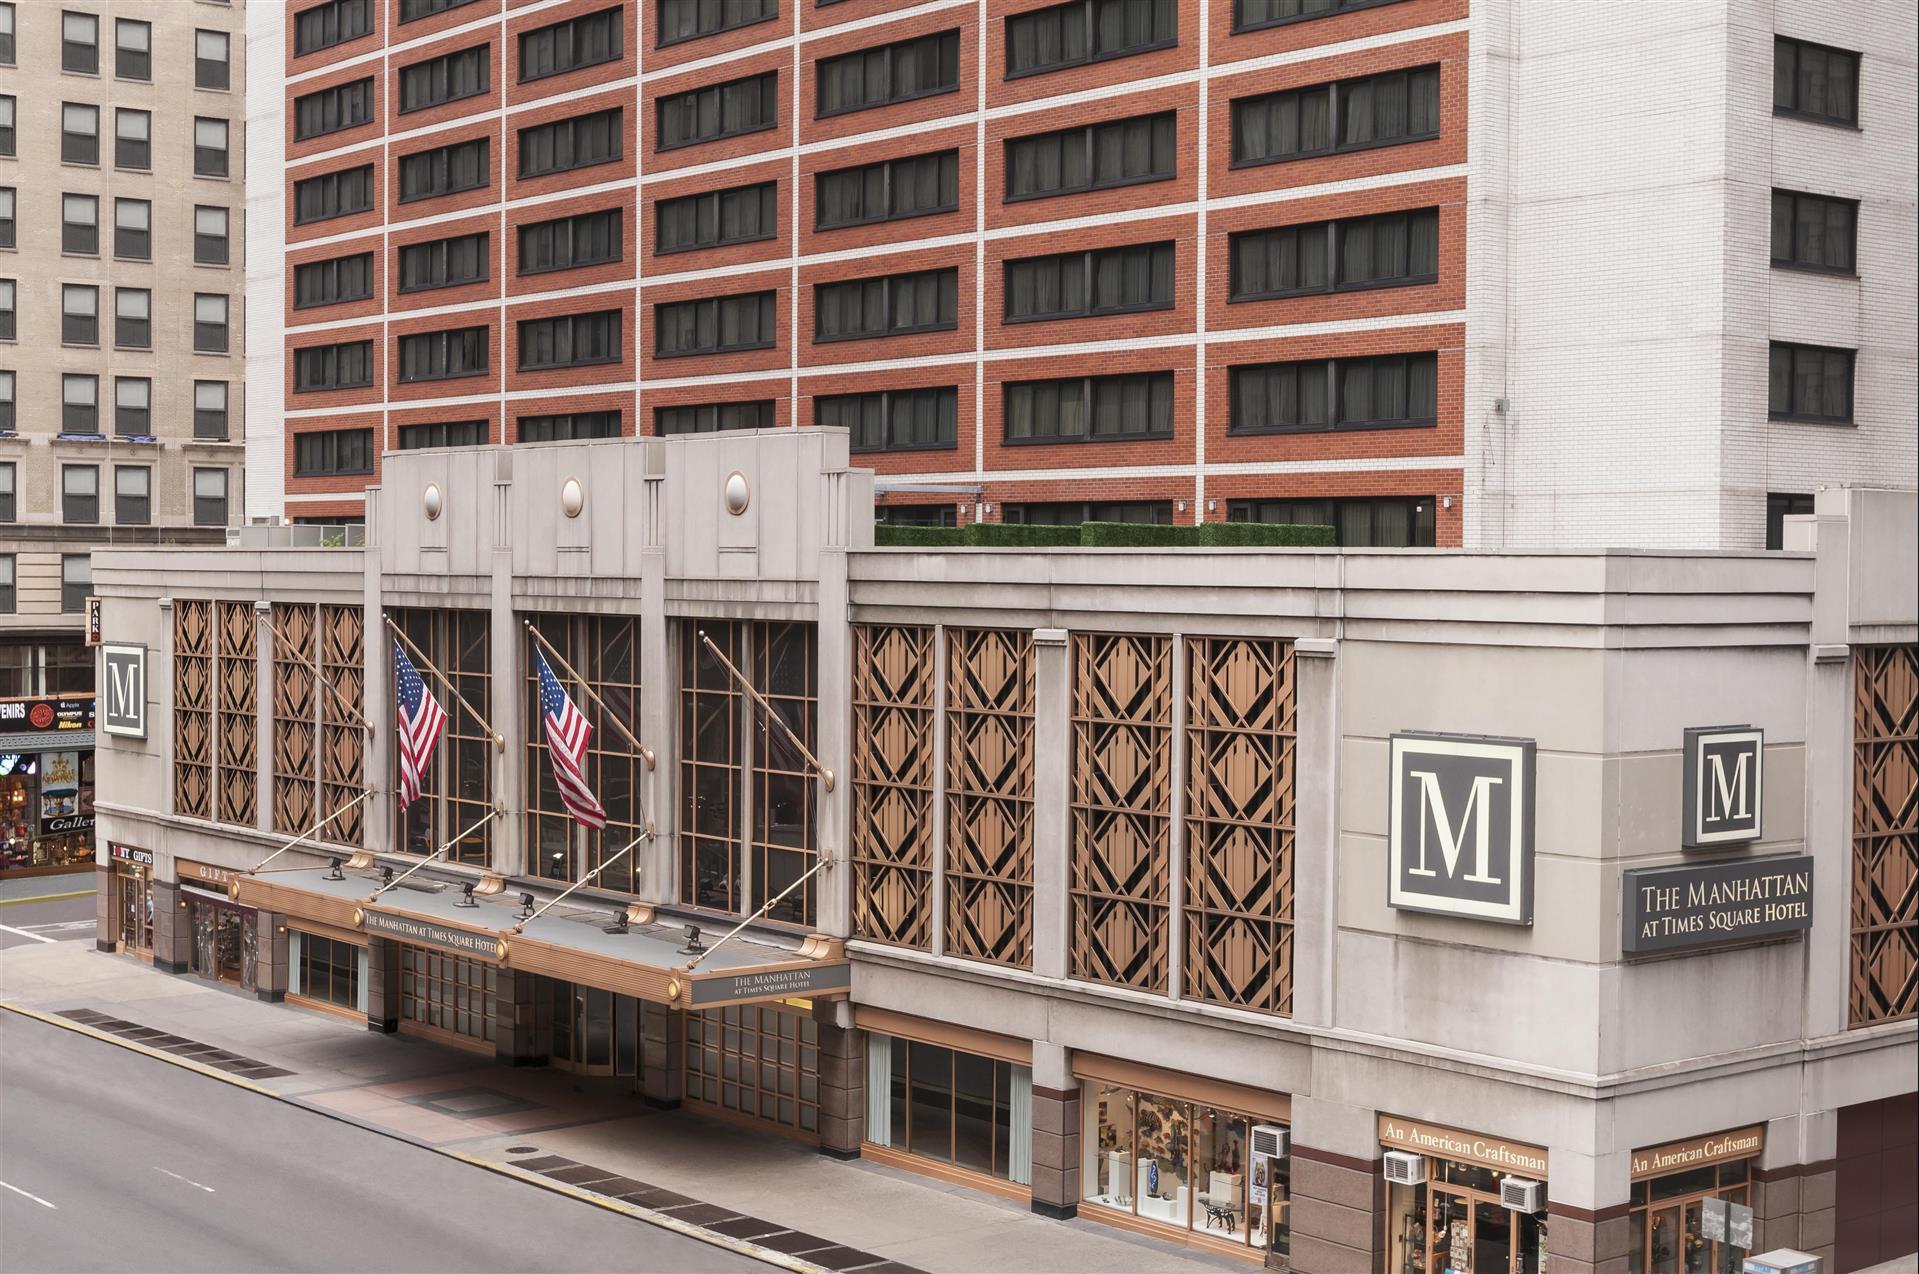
(491, 814)
(313, 668)
(826, 775)
(643, 750)
(824, 862)
(585, 880)
(310, 831)
(499, 740)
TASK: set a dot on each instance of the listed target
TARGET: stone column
(842, 1080)
(382, 985)
(1588, 1223)
(1338, 1196)
(1052, 808)
(517, 1039)
(662, 1055)
(270, 956)
(106, 921)
(1055, 1133)
(1794, 1189)
(172, 928)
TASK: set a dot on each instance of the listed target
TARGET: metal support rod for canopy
(584, 880)
(366, 792)
(826, 775)
(491, 814)
(694, 963)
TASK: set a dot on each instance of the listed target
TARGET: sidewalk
(774, 1192)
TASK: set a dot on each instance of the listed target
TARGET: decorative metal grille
(1885, 832)
(238, 678)
(342, 737)
(1239, 822)
(295, 759)
(892, 851)
(989, 795)
(193, 708)
(1122, 808)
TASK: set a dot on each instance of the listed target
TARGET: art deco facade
(1410, 266)
(1085, 878)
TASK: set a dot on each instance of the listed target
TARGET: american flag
(422, 722)
(567, 732)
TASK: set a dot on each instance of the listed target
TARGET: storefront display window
(951, 1107)
(1669, 1230)
(326, 970)
(46, 806)
(1182, 1163)
(448, 994)
(1457, 1221)
(225, 940)
(763, 1063)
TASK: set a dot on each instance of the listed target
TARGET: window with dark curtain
(332, 110)
(1781, 505)
(567, 144)
(443, 355)
(1814, 232)
(1087, 31)
(1142, 512)
(444, 263)
(344, 366)
(414, 10)
(588, 238)
(891, 305)
(332, 281)
(1120, 152)
(1391, 249)
(898, 72)
(332, 452)
(1376, 522)
(1376, 110)
(573, 45)
(1810, 383)
(332, 195)
(570, 340)
(570, 427)
(690, 19)
(445, 170)
(1390, 391)
(1075, 409)
(714, 324)
(719, 110)
(741, 214)
(447, 78)
(326, 25)
(893, 420)
(707, 418)
(443, 433)
(1251, 15)
(1088, 284)
(889, 190)
(1815, 81)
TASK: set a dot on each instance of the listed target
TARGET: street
(114, 1161)
(66, 916)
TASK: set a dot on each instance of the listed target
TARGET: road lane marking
(25, 1195)
(37, 937)
(189, 1180)
(61, 925)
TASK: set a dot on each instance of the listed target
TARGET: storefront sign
(1682, 1156)
(1724, 770)
(424, 933)
(1462, 1147)
(75, 713)
(123, 689)
(205, 873)
(811, 979)
(93, 621)
(129, 854)
(65, 823)
(1460, 835)
(1668, 908)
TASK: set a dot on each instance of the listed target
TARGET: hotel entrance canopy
(643, 958)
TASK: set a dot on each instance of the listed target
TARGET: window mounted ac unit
(1403, 1168)
(1272, 1141)
(1522, 1195)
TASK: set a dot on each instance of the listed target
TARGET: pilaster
(1337, 1196)
(662, 1055)
(842, 1081)
(517, 1040)
(382, 985)
(1052, 803)
(172, 929)
(270, 956)
(106, 931)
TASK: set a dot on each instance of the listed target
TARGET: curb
(739, 1247)
(16, 902)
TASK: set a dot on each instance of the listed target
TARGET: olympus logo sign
(1460, 837)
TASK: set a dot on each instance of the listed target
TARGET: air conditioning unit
(1272, 1141)
(1403, 1168)
(1522, 1195)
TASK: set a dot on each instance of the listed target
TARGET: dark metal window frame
(132, 64)
(215, 69)
(666, 104)
(888, 167)
(442, 433)
(664, 42)
(891, 49)
(1793, 349)
(204, 506)
(324, 453)
(126, 335)
(758, 298)
(79, 329)
(76, 57)
(129, 154)
(889, 284)
(573, 124)
(79, 509)
(1087, 131)
(353, 92)
(1816, 117)
(1089, 384)
(572, 225)
(415, 10)
(204, 424)
(886, 399)
(139, 418)
(615, 319)
(438, 349)
(1336, 89)
(335, 183)
(1333, 368)
(1091, 58)
(1791, 261)
(332, 20)
(761, 188)
(133, 510)
(571, 431)
(123, 236)
(72, 246)
(1240, 510)
(1335, 233)
(1241, 26)
(439, 73)
(440, 162)
(767, 407)
(1088, 266)
(440, 252)
(80, 148)
(552, 29)
(210, 249)
(203, 156)
(330, 356)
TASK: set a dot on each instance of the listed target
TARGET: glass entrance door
(593, 1029)
(1473, 1233)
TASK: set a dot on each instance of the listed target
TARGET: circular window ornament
(738, 495)
(572, 497)
(431, 501)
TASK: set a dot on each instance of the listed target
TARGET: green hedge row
(1103, 535)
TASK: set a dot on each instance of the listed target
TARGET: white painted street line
(189, 1180)
(37, 937)
(60, 926)
(25, 1195)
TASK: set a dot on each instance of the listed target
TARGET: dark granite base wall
(1336, 1205)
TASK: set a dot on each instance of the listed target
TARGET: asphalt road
(114, 1161)
(26, 922)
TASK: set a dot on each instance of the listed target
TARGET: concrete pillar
(106, 919)
(517, 1039)
(1316, 839)
(1588, 1223)
(1056, 1122)
(172, 928)
(1794, 1191)
(1338, 1196)
(662, 1055)
(379, 831)
(382, 985)
(1052, 804)
(508, 659)
(656, 861)
(842, 1081)
(833, 733)
(270, 956)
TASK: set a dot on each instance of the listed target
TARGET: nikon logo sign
(1460, 839)
(1725, 769)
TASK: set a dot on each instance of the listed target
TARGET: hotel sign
(1460, 833)
(123, 689)
(1669, 908)
(1723, 785)
(772, 984)
(424, 933)
(1683, 1156)
(1462, 1147)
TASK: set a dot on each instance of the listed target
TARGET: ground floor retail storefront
(1460, 1202)
(46, 786)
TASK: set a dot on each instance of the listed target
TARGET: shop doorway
(1474, 1233)
(133, 905)
(595, 1032)
(225, 940)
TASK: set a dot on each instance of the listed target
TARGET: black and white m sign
(1725, 772)
(1460, 841)
(123, 689)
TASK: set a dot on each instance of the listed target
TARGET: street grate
(192, 1050)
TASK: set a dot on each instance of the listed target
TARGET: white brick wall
(266, 261)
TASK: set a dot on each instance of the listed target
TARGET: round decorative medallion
(572, 497)
(737, 493)
(430, 501)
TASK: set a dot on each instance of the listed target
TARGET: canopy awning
(572, 943)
